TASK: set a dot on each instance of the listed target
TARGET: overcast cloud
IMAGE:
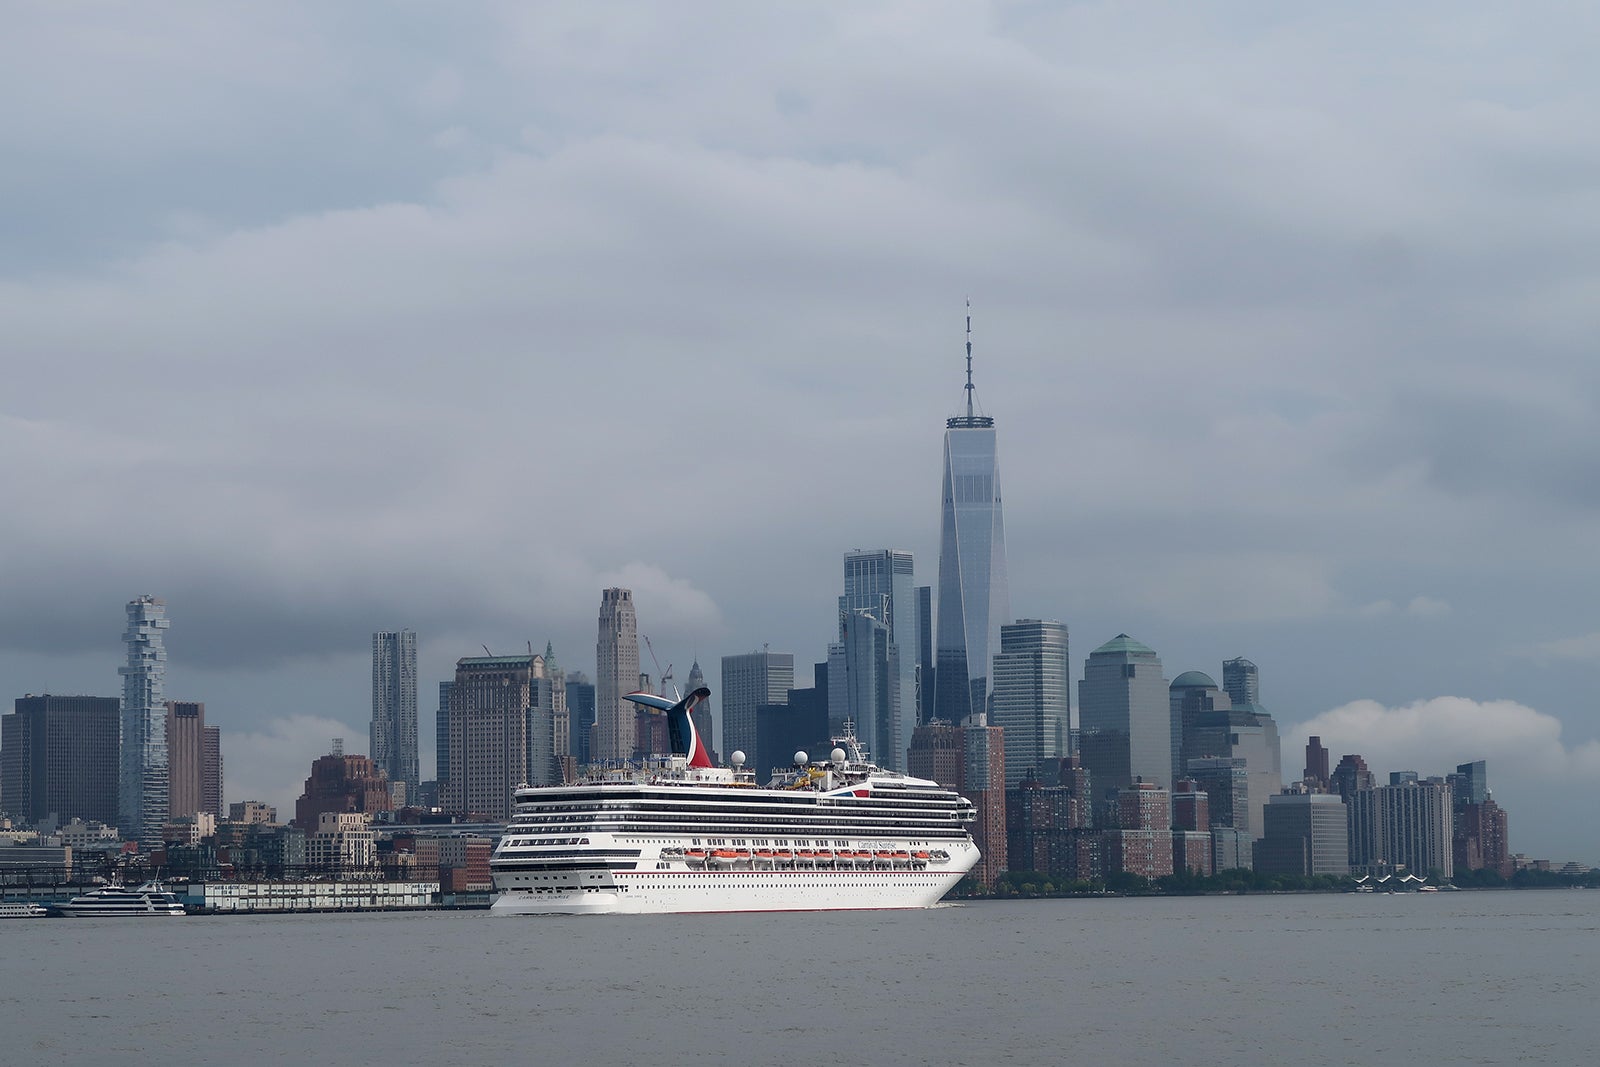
(326, 319)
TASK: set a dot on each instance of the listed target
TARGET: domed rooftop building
(1194, 680)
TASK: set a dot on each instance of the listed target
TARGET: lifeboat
(806, 854)
(784, 854)
(724, 857)
(695, 854)
(920, 855)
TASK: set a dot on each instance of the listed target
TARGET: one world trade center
(974, 598)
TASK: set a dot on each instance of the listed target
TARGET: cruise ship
(151, 898)
(676, 834)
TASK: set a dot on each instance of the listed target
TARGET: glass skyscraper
(393, 731)
(1032, 694)
(142, 796)
(879, 584)
(974, 596)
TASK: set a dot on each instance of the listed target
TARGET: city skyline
(1244, 338)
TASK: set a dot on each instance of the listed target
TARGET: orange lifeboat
(920, 855)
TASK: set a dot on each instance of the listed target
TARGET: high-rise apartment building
(749, 680)
(974, 592)
(1032, 694)
(194, 761)
(58, 757)
(393, 731)
(1406, 825)
(880, 584)
(1124, 716)
(970, 759)
(502, 733)
(142, 783)
(1141, 843)
(983, 781)
(616, 675)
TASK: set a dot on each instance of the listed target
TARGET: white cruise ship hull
(678, 890)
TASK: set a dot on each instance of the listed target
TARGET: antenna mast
(969, 357)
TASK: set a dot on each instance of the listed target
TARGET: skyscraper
(441, 737)
(142, 792)
(750, 680)
(1032, 694)
(925, 672)
(616, 675)
(879, 583)
(580, 713)
(974, 597)
(1124, 717)
(194, 761)
(863, 677)
(394, 707)
(58, 757)
(1305, 834)
(502, 733)
(1242, 681)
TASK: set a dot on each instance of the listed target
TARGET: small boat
(151, 898)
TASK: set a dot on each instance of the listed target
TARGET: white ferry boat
(20, 909)
(679, 835)
(151, 898)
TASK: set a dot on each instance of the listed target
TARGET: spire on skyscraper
(969, 357)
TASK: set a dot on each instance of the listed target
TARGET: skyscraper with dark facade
(1124, 716)
(1316, 774)
(1305, 834)
(925, 671)
(616, 675)
(580, 712)
(393, 730)
(749, 680)
(142, 792)
(1032, 694)
(441, 736)
(974, 592)
(58, 757)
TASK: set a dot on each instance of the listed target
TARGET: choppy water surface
(1463, 977)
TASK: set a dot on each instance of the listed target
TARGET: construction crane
(666, 675)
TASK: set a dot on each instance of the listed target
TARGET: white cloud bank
(1533, 771)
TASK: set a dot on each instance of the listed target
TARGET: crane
(666, 675)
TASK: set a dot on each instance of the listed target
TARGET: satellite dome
(737, 759)
(801, 759)
(837, 755)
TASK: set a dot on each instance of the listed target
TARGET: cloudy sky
(322, 319)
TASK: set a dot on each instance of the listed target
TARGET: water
(1450, 977)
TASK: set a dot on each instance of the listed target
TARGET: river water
(1487, 977)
